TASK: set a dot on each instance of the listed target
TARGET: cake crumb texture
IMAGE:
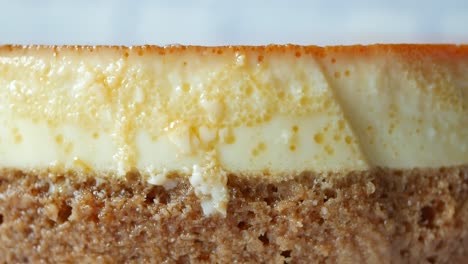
(376, 216)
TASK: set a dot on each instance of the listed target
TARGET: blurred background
(211, 22)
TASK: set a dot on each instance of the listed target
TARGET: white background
(232, 22)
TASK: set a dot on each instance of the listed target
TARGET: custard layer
(239, 108)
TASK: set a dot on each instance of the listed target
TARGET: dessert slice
(223, 154)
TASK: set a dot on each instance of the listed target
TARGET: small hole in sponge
(272, 194)
(264, 239)
(149, 199)
(428, 214)
(1, 219)
(64, 213)
(328, 194)
(272, 188)
(286, 253)
(243, 225)
(160, 195)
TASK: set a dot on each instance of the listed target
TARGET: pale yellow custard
(207, 112)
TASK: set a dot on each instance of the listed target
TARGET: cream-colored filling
(233, 113)
(280, 145)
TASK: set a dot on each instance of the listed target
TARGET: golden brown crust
(379, 216)
(410, 51)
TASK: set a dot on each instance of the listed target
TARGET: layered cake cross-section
(272, 154)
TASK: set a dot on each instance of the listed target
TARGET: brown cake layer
(379, 216)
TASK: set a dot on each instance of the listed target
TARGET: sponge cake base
(376, 216)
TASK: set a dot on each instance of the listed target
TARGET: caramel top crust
(410, 51)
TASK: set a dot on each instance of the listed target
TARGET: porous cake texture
(377, 216)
